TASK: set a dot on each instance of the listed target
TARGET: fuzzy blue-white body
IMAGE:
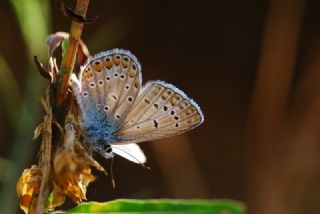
(97, 126)
(117, 113)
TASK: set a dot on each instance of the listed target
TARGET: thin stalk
(70, 55)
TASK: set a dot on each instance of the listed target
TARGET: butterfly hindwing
(161, 110)
(131, 152)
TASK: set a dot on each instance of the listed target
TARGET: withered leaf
(28, 187)
(72, 167)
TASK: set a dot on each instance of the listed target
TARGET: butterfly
(117, 112)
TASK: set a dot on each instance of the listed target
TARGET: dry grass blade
(45, 156)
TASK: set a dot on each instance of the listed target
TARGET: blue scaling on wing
(97, 126)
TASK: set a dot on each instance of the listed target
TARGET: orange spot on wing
(108, 64)
(132, 73)
(87, 74)
(97, 67)
(125, 64)
(117, 61)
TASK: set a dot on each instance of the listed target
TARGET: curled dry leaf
(55, 199)
(38, 131)
(53, 69)
(44, 72)
(28, 187)
(55, 40)
(72, 167)
(70, 13)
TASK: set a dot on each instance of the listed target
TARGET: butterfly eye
(176, 125)
(85, 94)
(156, 105)
(92, 84)
(109, 149)
(100, 82)
(127, 87)
(108, 78)
(106, 108)
(122, 76)
(172, 112)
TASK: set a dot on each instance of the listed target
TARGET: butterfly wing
(161, 110)
(107, 87)
(131, 152)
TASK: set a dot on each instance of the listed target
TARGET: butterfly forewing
(161, 110)
(110, 83)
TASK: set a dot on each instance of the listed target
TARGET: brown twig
(70, 55)
(45, 157)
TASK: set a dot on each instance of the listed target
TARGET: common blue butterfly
(117, 112)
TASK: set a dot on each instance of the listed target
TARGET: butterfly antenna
(140, 163)
(111, 174)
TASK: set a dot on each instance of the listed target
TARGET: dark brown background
(211, 50)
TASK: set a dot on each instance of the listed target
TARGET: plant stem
(70, 55)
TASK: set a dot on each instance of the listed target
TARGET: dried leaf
(54, 41)
(45, 155)
(75, 17)
(45, 73)
(38, 131)
(55, 199)
(28, 187)
(72, 167)
(53, 69)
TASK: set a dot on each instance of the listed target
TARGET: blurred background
(252, 66)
